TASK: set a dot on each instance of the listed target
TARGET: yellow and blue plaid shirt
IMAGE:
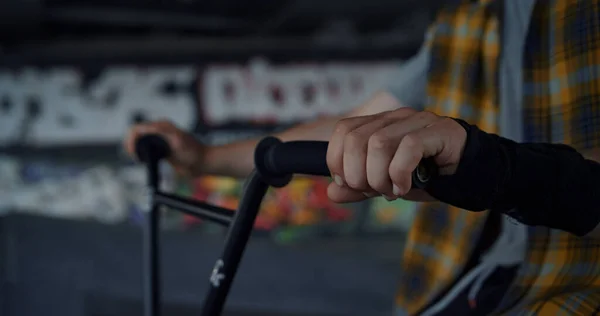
(561, 99)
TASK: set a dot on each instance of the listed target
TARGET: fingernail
(369, 195)
(389, 198)
(338, 180)
(396, 190)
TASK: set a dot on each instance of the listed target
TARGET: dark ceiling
(42, 23)
(205, 17)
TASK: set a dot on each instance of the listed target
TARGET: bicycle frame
(275, 163)
(240, 225)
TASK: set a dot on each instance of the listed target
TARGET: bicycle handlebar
(277, 161)
(152, 148)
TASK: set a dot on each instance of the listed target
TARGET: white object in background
(261, 91)
(133, 179)
(103, 195)
(17, 89)
(68, 114)
(10, 176)
(94, 194)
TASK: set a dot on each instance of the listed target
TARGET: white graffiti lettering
(262, 92)
(57, 106)
(64, 112)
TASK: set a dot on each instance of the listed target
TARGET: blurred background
(75, 75)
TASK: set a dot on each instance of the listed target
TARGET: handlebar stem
(151, 246)
(235, 243)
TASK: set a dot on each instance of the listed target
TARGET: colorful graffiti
(390, 216)
(302, 209)
(303, 202)
(116, 194)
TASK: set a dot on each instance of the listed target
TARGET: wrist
(231, 160)
(207, 161)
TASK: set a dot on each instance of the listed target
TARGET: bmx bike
(275, 164)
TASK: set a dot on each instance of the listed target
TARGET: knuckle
(379, 141)
(402, 111)
(343, 126)
(447, 121)
(387, 114)
(426, 116)
(411, 141)
(353, 140)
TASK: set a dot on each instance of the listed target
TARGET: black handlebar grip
(277, 162)
(152, 148)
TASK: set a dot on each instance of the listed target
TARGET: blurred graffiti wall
(62, 128)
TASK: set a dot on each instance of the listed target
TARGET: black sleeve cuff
(478, 177)
(537, 184)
